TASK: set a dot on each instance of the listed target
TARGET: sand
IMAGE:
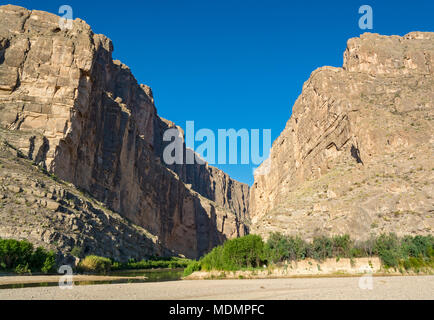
(396, 287)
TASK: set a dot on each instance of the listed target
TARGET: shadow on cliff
(105, 155)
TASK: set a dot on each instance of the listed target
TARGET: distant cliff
(85, 118)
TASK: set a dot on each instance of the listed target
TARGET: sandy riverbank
(397, 287)
(303, 268)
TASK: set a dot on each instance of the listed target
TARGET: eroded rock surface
(37, 207)
(85, 118)
(356, 155)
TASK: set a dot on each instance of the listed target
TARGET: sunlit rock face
(85, 118)
(356, 155)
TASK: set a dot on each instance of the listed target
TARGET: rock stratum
(356, 156)
(66, 106)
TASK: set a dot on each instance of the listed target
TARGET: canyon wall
(84, 118)
(356, 155)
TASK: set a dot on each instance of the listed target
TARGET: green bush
(77, 252)
(362, 248)
(152, 263)
(49, 264)
(280, 248)
(95, 264)
(14, 252)
(243, 252)
(387, 247)
(19, 256)
(321, 248)
(342, 246)
(193, 266)
(406, 264)
(214, 260)
(239, 253)
(410, 252)
(418, 246)
(22, 269)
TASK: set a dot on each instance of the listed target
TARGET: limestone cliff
(356, 155)
(37, 207)
(85, 118)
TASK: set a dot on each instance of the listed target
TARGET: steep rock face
(208, 181)
(85, 118)
(47, 212)
(356, 155)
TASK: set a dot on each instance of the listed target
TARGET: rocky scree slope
(38, 207)
(356, 156)
(85, 118)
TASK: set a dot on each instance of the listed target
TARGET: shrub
(363, 248)
(49, 264)
(77, 252)
(95, 264)
(193, 266)
(14, 252)
(116, 266)
(418, 246)
(244, 252)
(387, 247)
(406, 264)
(321, 248)
(356, 252)
(342, 245)
(152, 263)
(22, 269)
(280, 248)
(38, 258)
(20, 257)
(409, 252)
(214, 260)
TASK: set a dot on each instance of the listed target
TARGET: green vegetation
(408, 252)
(250, 252)
(20, 257)
(415, 253)
(95, 264)
(235, 254)
(193, 266)
(152, 263)
(281, 248)
(247, 252)
(77, 252)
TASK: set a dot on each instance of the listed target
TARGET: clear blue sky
(234, 64)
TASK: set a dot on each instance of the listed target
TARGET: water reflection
(140, 276)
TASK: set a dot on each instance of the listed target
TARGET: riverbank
(307, 267)
(416, 287)
(311, 268)
(120, 276)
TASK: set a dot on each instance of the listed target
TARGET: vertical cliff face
(86, 119)
(356, 155)
(207, 180)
